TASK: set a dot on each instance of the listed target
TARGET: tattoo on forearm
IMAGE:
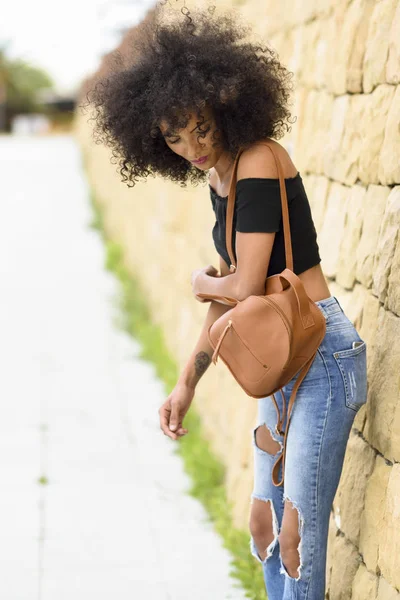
(201, 362)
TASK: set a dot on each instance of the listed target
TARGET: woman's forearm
(200, 358)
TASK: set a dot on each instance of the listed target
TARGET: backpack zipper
(217, 347)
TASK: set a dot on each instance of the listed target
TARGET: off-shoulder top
(258, 208)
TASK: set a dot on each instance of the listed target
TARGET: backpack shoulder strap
(284, 203)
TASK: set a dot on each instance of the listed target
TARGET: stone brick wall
(346, 144)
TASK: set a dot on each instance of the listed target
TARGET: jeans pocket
(352, 364)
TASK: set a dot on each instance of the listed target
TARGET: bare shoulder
(257, 161)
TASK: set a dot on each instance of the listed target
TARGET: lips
(200, 160)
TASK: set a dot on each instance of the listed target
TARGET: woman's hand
(196, 280)
(174, 409)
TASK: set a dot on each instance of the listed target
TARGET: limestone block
(360, 419)
(389, 158)
(346, 268)
(365, 585)
(309, 11)
(240, 477)
(325, 7)
(333, 531)
(358, 465)
(241, 420)
(354, 74)
(333, 149)
(369, 332)
(355, 307)
(344, 140)
(351, 28)
(255, 15)
(282, 42)
(312, 32)
(271, 21)
(344, 297)
(322, 54)
(372, 520)
(393, 296)
(298, 43)
(288, 13)
(347, 161)
(316, 108)
(386, 244)
(384, 385)
(185, 330)
(344, 568)
(373, 210)
(393, 63)
(207, 396)
(374, 65)
(395, 430)
(333, 228)
(239, 496)
(376, 111)
(317, 188)
(389, 550)
(386, 591)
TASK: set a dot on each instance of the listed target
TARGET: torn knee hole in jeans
(299, 565)
(269, 549)
(265, 440)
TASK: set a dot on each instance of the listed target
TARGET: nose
(195, 151)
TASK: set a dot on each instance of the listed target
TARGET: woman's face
(188, 142)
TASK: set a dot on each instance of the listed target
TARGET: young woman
(195, 92)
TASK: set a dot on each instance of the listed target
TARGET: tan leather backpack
(266, 340)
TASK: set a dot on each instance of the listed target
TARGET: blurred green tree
(20, 87)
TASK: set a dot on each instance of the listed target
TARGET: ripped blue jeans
(327, 401)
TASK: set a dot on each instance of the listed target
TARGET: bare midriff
(314, 283)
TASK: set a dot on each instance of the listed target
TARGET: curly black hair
(180, 64)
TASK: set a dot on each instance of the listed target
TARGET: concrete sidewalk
(79, 409)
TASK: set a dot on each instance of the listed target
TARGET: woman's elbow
(245, 290)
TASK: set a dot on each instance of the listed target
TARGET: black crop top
(258, 208)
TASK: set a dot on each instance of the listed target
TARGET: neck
(223, 167)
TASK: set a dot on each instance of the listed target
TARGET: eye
(202, 133)
(205, 130)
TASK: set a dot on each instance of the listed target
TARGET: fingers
(181, 431)
(174, 418)
(165, 424)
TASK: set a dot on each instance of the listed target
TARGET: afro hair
(173, 65)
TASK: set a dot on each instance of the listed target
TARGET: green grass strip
(206, 472)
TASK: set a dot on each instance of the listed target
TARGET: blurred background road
(92, 495)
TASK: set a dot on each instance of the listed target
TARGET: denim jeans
(327, 401)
